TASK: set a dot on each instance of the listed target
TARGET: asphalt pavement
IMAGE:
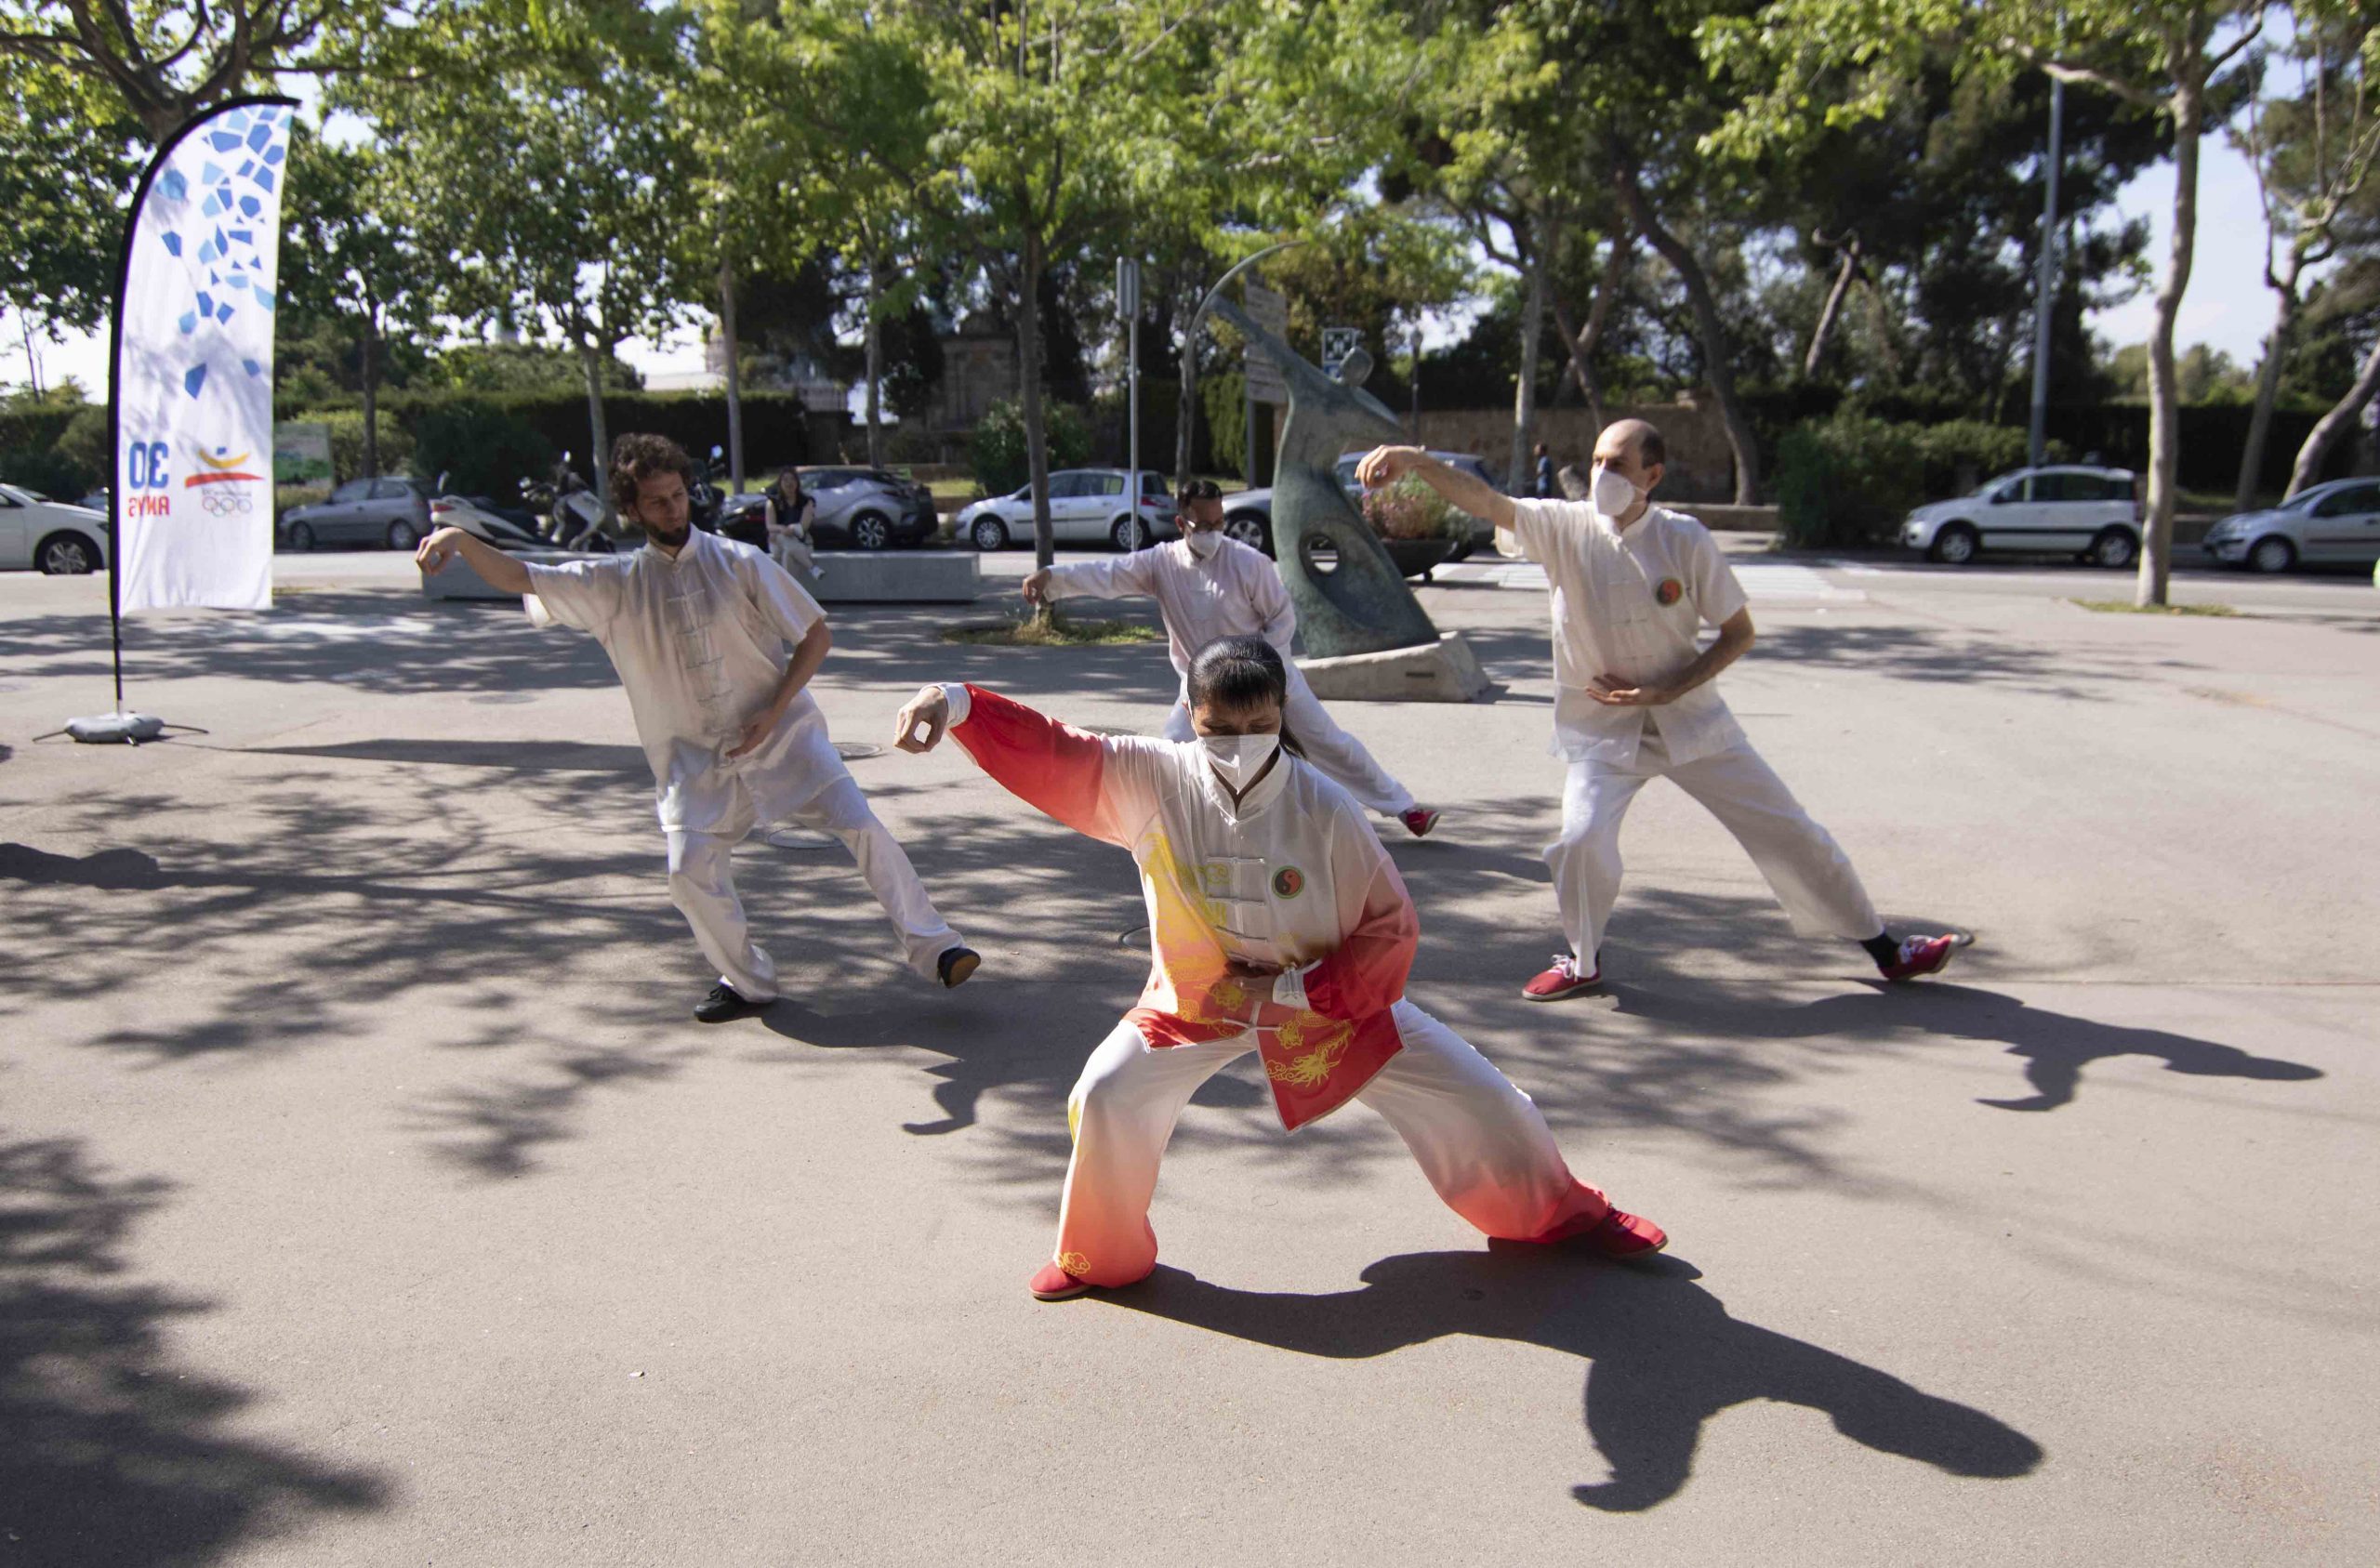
(368, 1195)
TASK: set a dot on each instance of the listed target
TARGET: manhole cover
(496, 699)
(797, 839)
(856, 751)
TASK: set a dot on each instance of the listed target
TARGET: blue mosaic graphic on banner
(216, 240)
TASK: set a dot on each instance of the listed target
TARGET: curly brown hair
(641, 456)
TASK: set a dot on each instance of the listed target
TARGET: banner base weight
(116, 729)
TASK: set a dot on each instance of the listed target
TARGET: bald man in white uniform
(1633, 586)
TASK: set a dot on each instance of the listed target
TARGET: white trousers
(702, 885)
(1808, 872)
(1481, 1142)
(788, 551)
(1339, 754)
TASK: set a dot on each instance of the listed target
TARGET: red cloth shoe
(1920, 955)
(1053, 1283)
(1419, 821)
(1624, 1236)
(1562, 980)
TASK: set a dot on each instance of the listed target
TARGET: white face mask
(1204, 545)
(1613, 494)
(1239, 758)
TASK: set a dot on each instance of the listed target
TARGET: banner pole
(120, 727)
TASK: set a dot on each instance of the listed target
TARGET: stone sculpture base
(1446, 671)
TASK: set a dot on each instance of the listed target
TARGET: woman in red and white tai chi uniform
(1280, 926)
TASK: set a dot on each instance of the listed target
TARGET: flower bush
(1410, 509)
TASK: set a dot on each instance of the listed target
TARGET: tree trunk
(734, 350)
(2251, 452)
(590, 362)
(875, 373)
(1708, 328)
(1583, 342)
(1532, 330)
(2336, 423)
(1832, 312)
(2165, 401)
(1028, 366)
(371, 401)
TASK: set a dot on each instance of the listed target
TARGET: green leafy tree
(551, 178)
(162, 61)
(346, 266)
(66, 169)
(2165, 58)
(2313, 150)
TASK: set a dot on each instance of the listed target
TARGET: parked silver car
(1086, 505)
(1247, 514)
(2334, 523)
(2068, 509)
(49, 535)
(387, 510)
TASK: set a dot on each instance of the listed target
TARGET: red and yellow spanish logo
(1670, 592)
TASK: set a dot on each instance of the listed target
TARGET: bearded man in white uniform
(1209, 585)
(1633, 584)
(698, 628)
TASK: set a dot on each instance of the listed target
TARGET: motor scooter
(704, 498)
(481, 519)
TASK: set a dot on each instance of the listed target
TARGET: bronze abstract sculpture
(1350, 596)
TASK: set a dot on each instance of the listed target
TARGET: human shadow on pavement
(1663, 1356)
(112, 1450)
(2054, 1046)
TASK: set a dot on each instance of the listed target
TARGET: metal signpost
(1128, 306)
(1265, 384)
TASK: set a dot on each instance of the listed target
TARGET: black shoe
(956, 964)
(725, 1002)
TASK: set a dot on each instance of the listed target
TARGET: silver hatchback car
(1086, 505)
(2069, 509)
(2338, 522)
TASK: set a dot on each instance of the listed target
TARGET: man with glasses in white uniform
(1207, 585)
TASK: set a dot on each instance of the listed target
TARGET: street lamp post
(2046, 287)
(1198, 316)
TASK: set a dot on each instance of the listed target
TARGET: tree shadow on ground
(1664, 1356)
(2054, 1046)
(110, 1451)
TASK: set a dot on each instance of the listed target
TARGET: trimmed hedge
(482, 449)
(48, 471)
(777, 425)
(997, 450)
(1850, 481)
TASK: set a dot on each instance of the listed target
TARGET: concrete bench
(852, 576)
(896, 576)
(457, 580)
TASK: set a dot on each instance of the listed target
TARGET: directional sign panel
(1338, 342)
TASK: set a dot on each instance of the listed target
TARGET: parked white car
(49, 535)
(2334, 523)
(2091, 513)
(1086, 505)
